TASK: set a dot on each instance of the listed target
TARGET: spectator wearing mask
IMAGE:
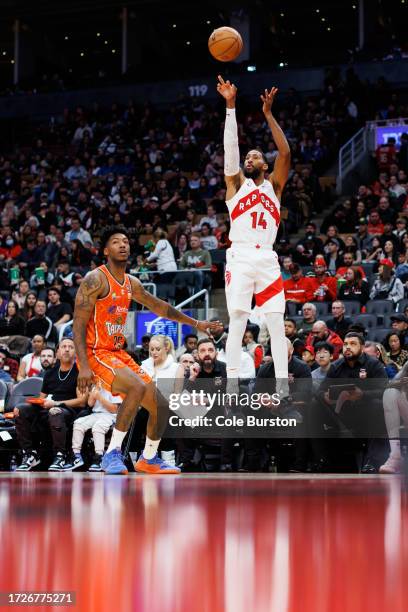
(47, 359)
(41, 324)
(62, 403)
(10, 249)
(323, 286)
(393, 344)
(12, 324)
(30, 364)
(321, 333)
(59, 312)
(297, 288)
(387, 286)
(285, 268)
(339, 323)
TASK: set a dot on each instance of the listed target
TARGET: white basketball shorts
(253, 272)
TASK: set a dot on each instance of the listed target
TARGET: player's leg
(158, 408)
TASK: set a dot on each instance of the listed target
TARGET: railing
(153, 286)
(350, 154)
(203, 292)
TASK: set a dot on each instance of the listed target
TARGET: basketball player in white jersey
(252, 268)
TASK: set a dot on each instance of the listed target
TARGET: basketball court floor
(207, 543)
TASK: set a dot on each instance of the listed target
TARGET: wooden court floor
(207, 543)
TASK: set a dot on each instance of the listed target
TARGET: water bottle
(272, 466)
(13, 463)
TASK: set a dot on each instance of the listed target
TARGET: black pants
(32, 419)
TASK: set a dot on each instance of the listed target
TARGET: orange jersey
(106, 327)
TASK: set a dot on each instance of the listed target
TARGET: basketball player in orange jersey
(101, 307)
(252, 268)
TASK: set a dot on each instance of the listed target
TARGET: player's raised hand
(226, 89)
(267, 99)
(209, 326)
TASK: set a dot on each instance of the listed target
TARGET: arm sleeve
(231, 148)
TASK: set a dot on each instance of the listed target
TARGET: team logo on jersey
(253, 199)
(112, 309)
(227, 277)
(114, 329)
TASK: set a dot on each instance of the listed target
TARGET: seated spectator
(41, 278)
(285, 267)
(47, 359)
(181, 246)
(65, 277)
(60, 408)
(363, 239)
(19, 295)
(77, 232)
(375, 349)
(387, 286)
(324, 357)
(332, 257)
(347, 262)
(28, 309)
(208, 241)
(194, 259)
(401, 270)
(12, 324)
(355, 288)
(10, 249)
(399, 323)
(210, 218)
(323, 286)
(390, 251)
(309, 318)
(188, 346)
(186, 360)
(321, 333)
(255, 350)
(80, 257)
(41, 324)
(375, 253)
(393, 344)
(59, 312)
(333, 232)
(163, 254)
(290, 329)
(5, 375)
(400, 229)
(339, 323)
(161, 363)
(297, 288)
(395, 404)
(30, 257)
(351, 248)
(103, 416)
(30, 364)
(375, 226)
(308, 356)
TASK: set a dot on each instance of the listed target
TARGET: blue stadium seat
(322, 308)
(352, 307)
(378, 334)
(380, 308)
(368, 320)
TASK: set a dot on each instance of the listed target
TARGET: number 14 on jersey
(258, 220)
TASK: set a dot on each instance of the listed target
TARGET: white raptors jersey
(254, 214)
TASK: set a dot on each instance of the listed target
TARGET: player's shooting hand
(267, 99)
(85, 380)
(209, 326)
(226, 89)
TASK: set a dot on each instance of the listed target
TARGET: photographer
(349, 400)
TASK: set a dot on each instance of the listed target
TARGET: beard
(252, 173)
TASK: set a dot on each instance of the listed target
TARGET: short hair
(187, 336)
(51, 348)
(339, 302)
(352, 334)
(310, 305)
(111, 231)
(53, 288)
(205, 341)
(291, 320)
(324, 346)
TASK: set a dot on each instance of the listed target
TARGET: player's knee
(238, 315)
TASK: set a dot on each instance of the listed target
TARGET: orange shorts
(103, 364)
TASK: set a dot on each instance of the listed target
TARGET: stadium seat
(368, 320)
(380, 308)
(378, 334)
(29, 387)
(293, 308)
(218, 256)
(4, 391)
(352, 307)
(322, 308)
(402, 304)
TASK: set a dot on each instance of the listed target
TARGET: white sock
(237, 325)
(150, 449)
(395, 449)
(116, 439)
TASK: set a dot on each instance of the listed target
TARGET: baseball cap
(310, 349)
(399, 317)
(333, 241)
(320, 261)
(387, 262)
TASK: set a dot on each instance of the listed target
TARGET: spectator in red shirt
(386, 155)
(321, 333)
(297, 288)
(375, 225)
(323, 286)
(348, 260)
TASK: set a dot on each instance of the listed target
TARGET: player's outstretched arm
(281, 168)
(232, 172)
(162, 309)
(90, 289)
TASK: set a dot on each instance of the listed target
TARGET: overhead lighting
(251, 68)
(328, 29)
(12, 62)
(66, 37)
(323, 19)
(105, 42)
(4, 53)
(113, 50)
(208, 22)
(98, 34)
(354, 7)
(293, 32)
(317, 10)
(82, 54)
(174, 25)
(188, 42)
(281, 64)
(282, 14)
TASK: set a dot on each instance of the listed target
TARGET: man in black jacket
(40, 324)
(347, 410)
(339, 323)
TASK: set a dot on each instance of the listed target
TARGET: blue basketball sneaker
(155, 466)
(112, 463)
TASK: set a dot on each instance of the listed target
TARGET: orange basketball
(225, 44)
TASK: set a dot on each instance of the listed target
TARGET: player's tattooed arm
(92, 287)
(162, 309)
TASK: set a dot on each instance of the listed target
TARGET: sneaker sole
(387, 471)
(156, 471)
(122, 473)
(29, 468)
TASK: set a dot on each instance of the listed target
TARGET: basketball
(225, 44)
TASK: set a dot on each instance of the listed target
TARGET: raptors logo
(227, 277)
